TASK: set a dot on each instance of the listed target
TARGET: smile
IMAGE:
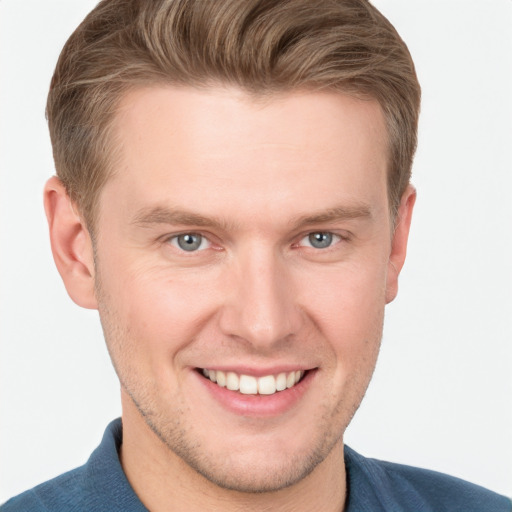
(249, 385)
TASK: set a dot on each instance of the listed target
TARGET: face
(246, 243)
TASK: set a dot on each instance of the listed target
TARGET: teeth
(281, 382)
(267, 385)
(249, 385)
(232, 381)
(221, 378)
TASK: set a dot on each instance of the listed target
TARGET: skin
(262, 175)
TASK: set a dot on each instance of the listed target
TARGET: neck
(160, 478)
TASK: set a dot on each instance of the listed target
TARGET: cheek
(349, 312)
(348, 303)
(351, 319)
(159, 311)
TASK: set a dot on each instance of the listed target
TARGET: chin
(261, 463)
(254, 473)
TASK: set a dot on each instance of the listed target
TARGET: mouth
(251, 385)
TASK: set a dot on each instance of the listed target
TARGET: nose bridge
(261, 305)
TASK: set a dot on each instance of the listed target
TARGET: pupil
(189, 242)
(320, 240)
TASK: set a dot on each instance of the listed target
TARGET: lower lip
(259, 405)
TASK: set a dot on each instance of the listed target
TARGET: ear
(71, 244)
(399, 242)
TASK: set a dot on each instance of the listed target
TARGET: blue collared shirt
(100, 485)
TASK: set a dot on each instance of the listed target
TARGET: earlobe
(399, 242)
(71, 244)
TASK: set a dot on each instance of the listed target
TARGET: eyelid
(337, 238)
(172, 240)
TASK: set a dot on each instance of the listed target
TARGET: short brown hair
(262, 46)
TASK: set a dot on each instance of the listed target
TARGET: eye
(320, 240)
(190, 242)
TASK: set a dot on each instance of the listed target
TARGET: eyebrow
(338, 213)
(165, 215)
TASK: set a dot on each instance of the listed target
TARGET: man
(233, 197)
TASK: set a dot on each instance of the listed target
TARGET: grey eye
(189, 242)
(320, 240)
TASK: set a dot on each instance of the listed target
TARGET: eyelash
(174, 241)
(336, 238)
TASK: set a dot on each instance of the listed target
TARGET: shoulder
(52, 495)
(97, 486)
(397, 487)
(87, 488)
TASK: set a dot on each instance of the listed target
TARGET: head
(234, 199)
(264, 48)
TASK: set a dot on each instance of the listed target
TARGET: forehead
(206, 115)
(220, 148)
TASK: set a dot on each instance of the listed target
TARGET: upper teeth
(249, 385)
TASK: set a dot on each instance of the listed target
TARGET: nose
(260, 305)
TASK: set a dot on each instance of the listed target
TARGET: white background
(441, 396)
